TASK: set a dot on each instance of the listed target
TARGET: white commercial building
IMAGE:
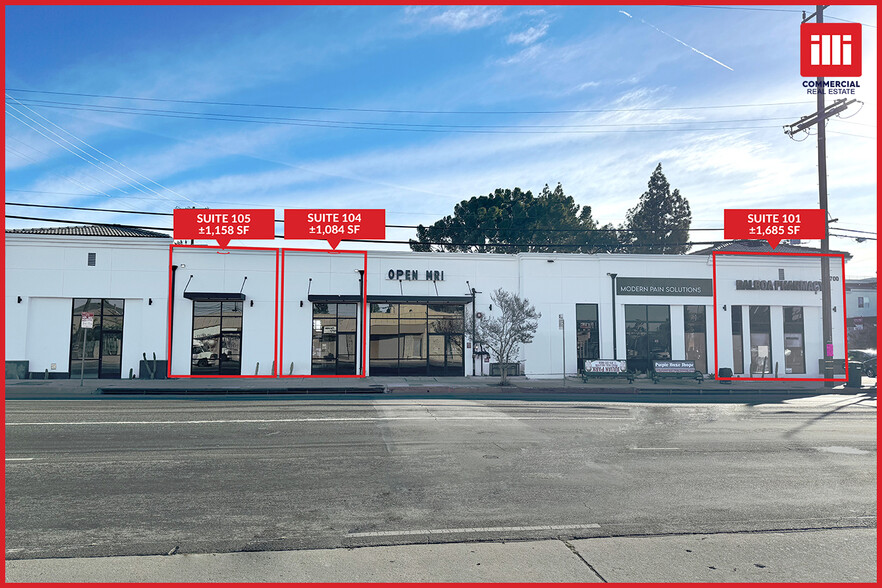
(278, 313)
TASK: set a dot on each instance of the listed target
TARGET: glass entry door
(102, 357)
(217, 338)
(647, 335)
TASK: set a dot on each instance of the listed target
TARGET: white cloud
(528, 54)
(456, 19)
(529, 36)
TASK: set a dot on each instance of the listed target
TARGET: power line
(765, 10)
(68, 178)
(399, 111)
(853, 230)
(96, 150)
(540, 246)
(366, 126)
(851, 134)
(855, 237)
(33, 128)
(255, 118)
(58, 206)
(393, 242)
(538, 230)
(114, 173)
(601, 230)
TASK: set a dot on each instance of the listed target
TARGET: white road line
(19, 459)
(320, 420)
(472, 530)
(655, 448)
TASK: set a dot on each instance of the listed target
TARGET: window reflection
(334, 328)
(97, 352)
(417, 339)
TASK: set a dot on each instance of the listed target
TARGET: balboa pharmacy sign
(803, 285)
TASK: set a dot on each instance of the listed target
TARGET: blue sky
(447, 103)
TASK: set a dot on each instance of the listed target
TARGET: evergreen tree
(661, 219)
(509, 221)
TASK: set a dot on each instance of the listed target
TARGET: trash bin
(725, 373)
(855, 372)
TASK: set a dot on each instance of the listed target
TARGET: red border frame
(171, 302)
(773, 254)
(281, 321)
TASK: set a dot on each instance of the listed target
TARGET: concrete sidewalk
(455, 386)
(830, 555)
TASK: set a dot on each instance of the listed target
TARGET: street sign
(87, 319)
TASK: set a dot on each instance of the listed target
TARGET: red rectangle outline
(716, 335)
(363, 317)
(171, 301)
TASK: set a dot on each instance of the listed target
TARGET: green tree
(512, 323)
(509, 221)
(660, 221)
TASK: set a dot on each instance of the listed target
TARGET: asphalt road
(130, 477)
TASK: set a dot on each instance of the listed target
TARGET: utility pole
(819, 118)
(473, 292)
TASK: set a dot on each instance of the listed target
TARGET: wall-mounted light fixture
(724, 307)
(252, 303)
(834, 309)
(19, 299)
(301, 304)
(149, 301)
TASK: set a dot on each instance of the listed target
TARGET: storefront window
(760, 340)
(334, 329)
(696, 336)
(794, 346)
(587, 333)
(647, 335)
(737, 341)
(417, 339)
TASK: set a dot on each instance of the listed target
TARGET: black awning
(334, 298)
(422, 299)
(381, 298)
(214, 295)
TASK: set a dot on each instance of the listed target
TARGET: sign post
(86, 321)
(563, 338)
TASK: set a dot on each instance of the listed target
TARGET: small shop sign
(597, 366)
(675, 366)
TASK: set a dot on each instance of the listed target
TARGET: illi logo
(830, 49)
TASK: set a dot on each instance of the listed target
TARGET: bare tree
(515, 322)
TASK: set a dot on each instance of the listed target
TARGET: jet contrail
(649, 24)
